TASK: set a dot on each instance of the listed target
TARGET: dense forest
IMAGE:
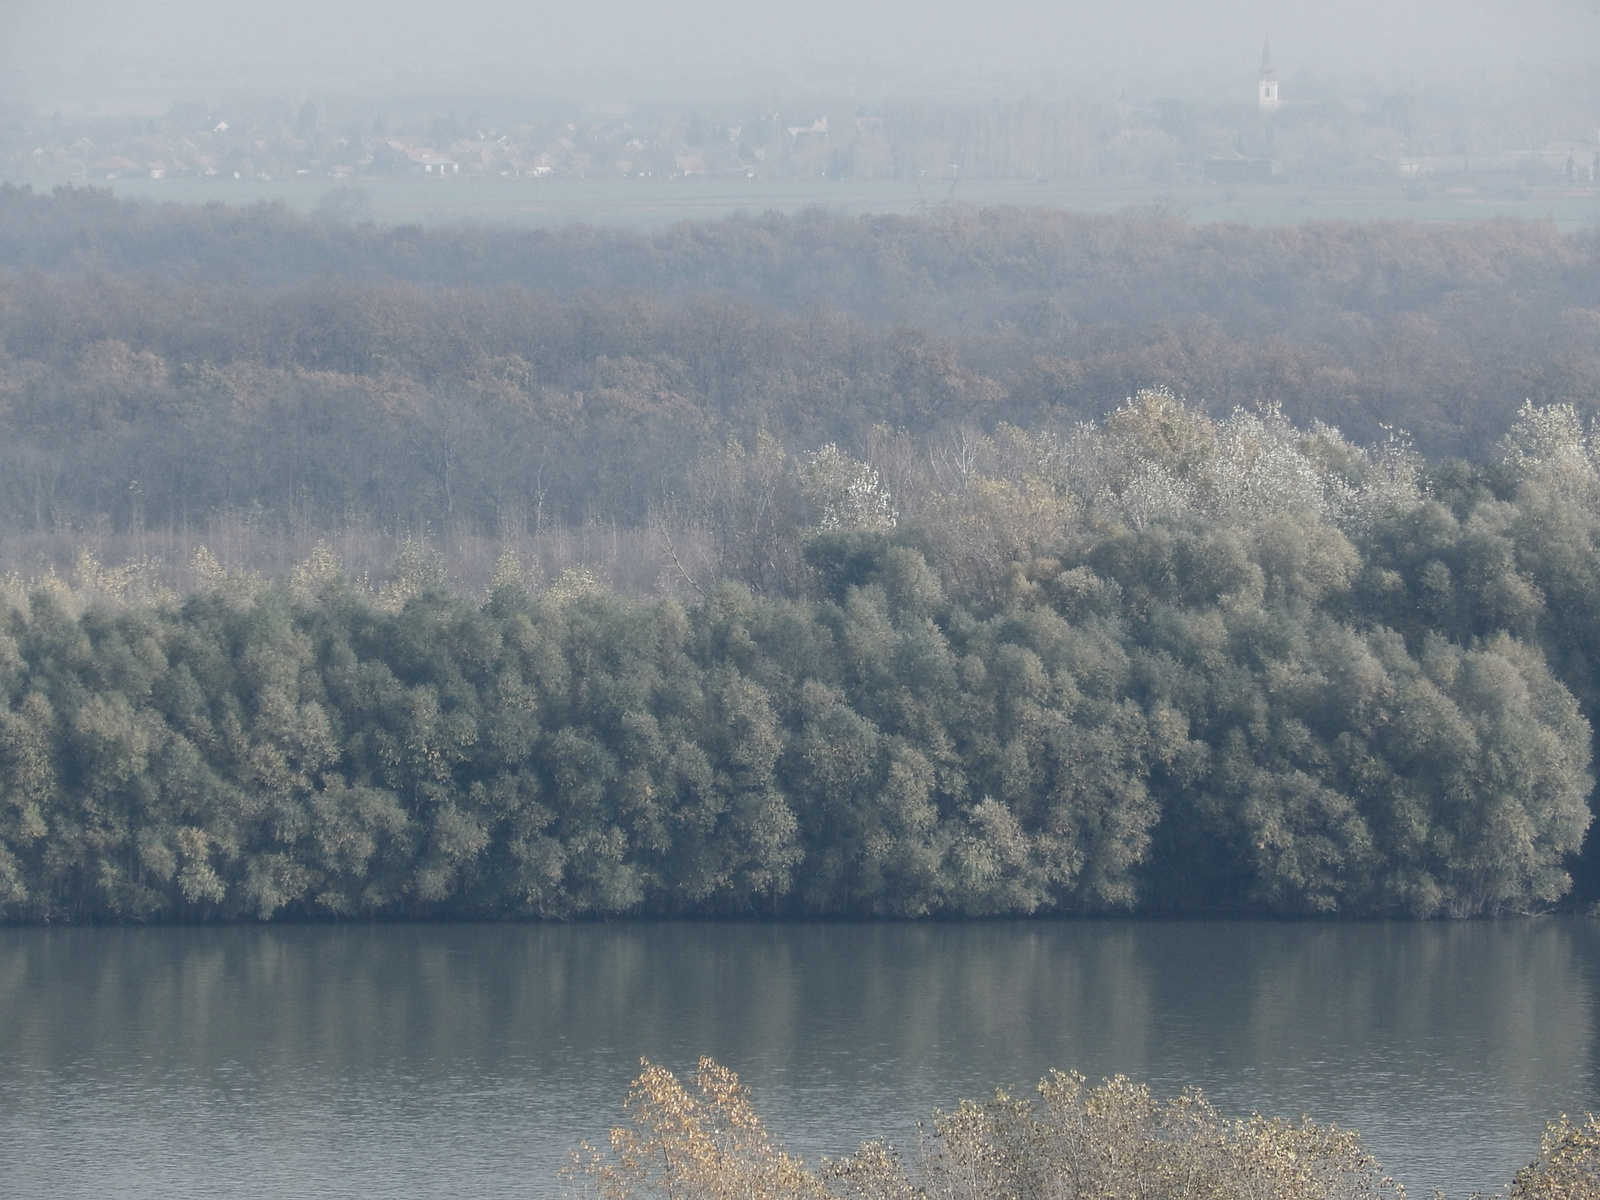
(928, 620)
(162, 365)
(1171, 665)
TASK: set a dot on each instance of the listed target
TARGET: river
(462, 1060)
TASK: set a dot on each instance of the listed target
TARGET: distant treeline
(159, 365)
(1163, 663)
(1510, 131)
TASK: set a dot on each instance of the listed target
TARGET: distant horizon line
(153, 97)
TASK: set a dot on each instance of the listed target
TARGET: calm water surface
(464, 1060)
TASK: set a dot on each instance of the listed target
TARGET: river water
(467, 1060)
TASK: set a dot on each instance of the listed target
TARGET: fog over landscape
(116, 52)
(1026, 336)
(536, 537)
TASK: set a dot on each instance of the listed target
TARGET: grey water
(468, 1060)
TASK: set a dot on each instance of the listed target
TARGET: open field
(644, 204)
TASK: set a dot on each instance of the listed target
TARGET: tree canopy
(1166, 663)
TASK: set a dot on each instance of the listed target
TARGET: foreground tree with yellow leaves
(708, 1144)
(1568, 1166)
(1069, 1142)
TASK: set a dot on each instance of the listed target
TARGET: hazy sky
(65, 52)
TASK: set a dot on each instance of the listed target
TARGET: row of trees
(161, 365)
(1166, 663)
(915, 635)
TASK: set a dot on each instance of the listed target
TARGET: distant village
(1553, 140)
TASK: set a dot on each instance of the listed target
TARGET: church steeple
(1267, 85)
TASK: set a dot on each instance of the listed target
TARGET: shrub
(1071, 1142)
(1568, 1165)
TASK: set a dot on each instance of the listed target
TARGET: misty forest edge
(918, 633)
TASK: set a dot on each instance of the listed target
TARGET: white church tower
(1267, 86)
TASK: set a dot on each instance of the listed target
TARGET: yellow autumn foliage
(705, 1144)
(1568, 1166)
(1070, 1141)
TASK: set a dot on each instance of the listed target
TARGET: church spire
(1267, 85)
